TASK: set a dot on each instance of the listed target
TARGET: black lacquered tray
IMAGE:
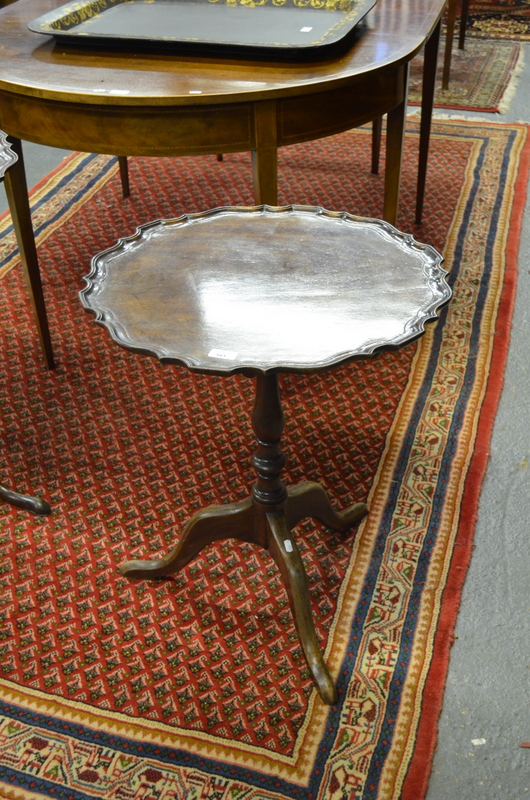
(287, 28)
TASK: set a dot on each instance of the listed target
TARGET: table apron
(307, 117)
(127, 130)
(187, 130)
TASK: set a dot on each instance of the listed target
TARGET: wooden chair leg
(377, 127)
(124, 175)
(17, 198)
(451, 17)
(464, 13)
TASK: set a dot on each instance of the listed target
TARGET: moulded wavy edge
(8, 157)
(414, 329)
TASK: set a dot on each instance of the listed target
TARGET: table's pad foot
(33, 504)
(309, 499)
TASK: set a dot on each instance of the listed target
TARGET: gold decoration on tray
(189, 23)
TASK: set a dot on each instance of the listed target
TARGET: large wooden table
(106, 101)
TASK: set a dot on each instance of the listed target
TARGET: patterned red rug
(195, 687)
(483, 76)
(499, 19)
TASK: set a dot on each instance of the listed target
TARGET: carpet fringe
(454, 117)
(511, 88)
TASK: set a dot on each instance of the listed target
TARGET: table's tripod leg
(208, 525)
(284, 551)
(24, 501)
(310, 499)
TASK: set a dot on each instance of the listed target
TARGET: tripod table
(259, 291)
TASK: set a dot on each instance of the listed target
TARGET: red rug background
(126, 449)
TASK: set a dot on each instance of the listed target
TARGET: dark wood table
(261, 291)
(8, 164)
(141, 104)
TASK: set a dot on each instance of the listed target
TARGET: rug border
(501, 105)
(32, 191)
(418, 775)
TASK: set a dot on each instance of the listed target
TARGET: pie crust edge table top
(260, 289)
(8, 157)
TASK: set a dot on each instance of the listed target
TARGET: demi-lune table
(260, 291)
(137, 103)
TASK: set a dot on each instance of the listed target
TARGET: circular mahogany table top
(265, 289)
(35, 65)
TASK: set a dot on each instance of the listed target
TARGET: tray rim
(45, 25)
